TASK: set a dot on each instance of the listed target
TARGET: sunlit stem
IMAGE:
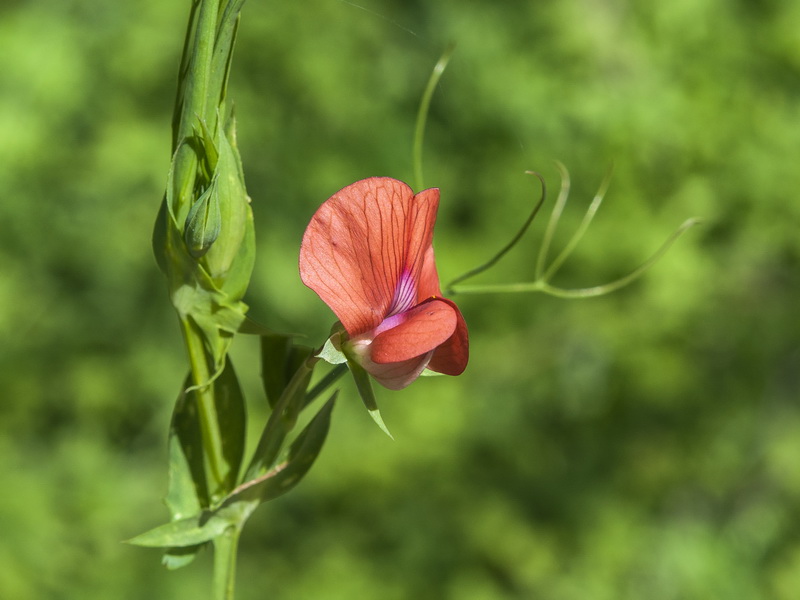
(491, 262)
(552, 222)
(582, 228)
(541, 285)
(204, 393)
(324, 383)
(422, 114)
(225, 550)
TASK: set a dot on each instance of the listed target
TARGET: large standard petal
(362, 243)
(420, 330)
(451, 357)
(428, 281)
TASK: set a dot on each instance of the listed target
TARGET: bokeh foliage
(646, 444)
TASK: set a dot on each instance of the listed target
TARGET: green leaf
(324, 383)
(193, 530)
(232, 420)
(187, 491)
(364, 386)
(280, 360)
(214, 314)
(250, 326)
(179, 556)
(302, 454)
(160, 237)
(282, 420)
(181, 181)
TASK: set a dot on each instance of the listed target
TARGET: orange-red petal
(396, 376)
(421, 329)
(360, 243)
(451, 357)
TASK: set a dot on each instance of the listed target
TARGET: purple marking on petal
(389, 323)
(405, 295)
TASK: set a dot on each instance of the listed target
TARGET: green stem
(206, 407)
(225, 549)
(449, 288)
(324, 383)
(582, 228)
(422, 114)
(541, 285)
(552, 222)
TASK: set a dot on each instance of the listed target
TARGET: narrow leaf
(252, 327)
(232, 420)
(275, 349)
(280, 360)
(187, 491)
(192, 530)
(180, 556)
(282, 420)
(364, 386)
(302, 454)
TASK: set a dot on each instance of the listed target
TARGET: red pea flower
(368, 254)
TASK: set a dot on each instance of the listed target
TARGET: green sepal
(282, 420)
(230, 260)
(364, 387)
(181, 180)
(331, 352)
(203, 223)
(209, 151)
(429, 373)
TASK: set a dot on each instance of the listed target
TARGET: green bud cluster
(204, 237)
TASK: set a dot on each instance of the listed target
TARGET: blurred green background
(641, 445)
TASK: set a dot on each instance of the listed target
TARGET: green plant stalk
(422, 114)
(492, 261)
(225, 551)
(200, 90)
(324, 383)
(204, 392)
(582, 228)
(552, 222)
(542, 285)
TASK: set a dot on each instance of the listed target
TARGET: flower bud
(203, 223)
(235, 216)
